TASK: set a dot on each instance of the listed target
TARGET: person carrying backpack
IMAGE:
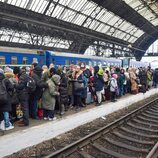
(5, 102)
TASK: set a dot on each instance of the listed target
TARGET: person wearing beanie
(33, 65)
(37, 94)
(96, 69)
(23, 96)
(1, 71)
(100, 72)
(8, 72)
(98, 84)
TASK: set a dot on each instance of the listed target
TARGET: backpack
(31, 85)
(3, 93)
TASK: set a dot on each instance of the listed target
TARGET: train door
(41, 58)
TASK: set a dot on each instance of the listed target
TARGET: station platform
(22, 138)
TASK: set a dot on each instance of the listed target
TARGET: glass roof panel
(87, 14)
(24, 37)
(138, 33)
(119, 34)
(57, 11)
(132, 39)
(148, 9)
(106, 16)
(94, 24)
(80, 19)
(68, 15)
(88, 9)
(113, 20)
(102, 28)
(76, 4)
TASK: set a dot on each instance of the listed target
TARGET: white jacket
(113, 85)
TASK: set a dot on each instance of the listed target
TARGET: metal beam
(124, 11)
(14, 13)
(22, 45)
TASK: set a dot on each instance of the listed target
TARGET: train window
(25, 60)
(78, 62)
(14, 60)
(72, 62)
(66, 62)
(95, 63)
(90, 63)
(2, 60)
(99, 64)
(35, 60)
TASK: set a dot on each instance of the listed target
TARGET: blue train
(25, 57)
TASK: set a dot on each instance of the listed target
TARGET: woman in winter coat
(5, 105)
(134, 86)
(63, 90)
(113, 87)
(48, 97)
(78, 77)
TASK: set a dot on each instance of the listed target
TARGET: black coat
(63, 89)
(21, 87)
(40, 84)
(143, 77)
(6, 107)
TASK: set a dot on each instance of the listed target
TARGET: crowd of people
(42, 92)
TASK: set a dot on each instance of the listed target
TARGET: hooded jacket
(40, 84)
(48, 97)
(9, 87)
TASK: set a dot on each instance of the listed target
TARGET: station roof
(53, 23)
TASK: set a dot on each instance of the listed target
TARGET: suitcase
(89, 98)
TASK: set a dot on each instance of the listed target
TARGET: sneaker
(45, 118)
(8, 128)
(52, 119)
(62, 113)
(2, 126)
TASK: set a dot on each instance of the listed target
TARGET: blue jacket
(98, 82)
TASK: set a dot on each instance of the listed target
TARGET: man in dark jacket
(23, 95)
(37, 94)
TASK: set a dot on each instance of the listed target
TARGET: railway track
(132, 136)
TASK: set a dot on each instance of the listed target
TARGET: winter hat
(35, 64)
(7, 69)
(114, 76)
(100, 72)
(1, 71)
(23, 69)
(96, 69)
(16, 70)
(52, 70)
(56, 79)
(38, 69)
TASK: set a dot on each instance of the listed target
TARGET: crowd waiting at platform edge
(41, 92)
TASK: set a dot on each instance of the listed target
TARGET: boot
(62, 109)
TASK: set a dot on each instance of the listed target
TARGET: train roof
(18, 50)
(81, 56)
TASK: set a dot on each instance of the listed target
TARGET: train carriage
(25, 57)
